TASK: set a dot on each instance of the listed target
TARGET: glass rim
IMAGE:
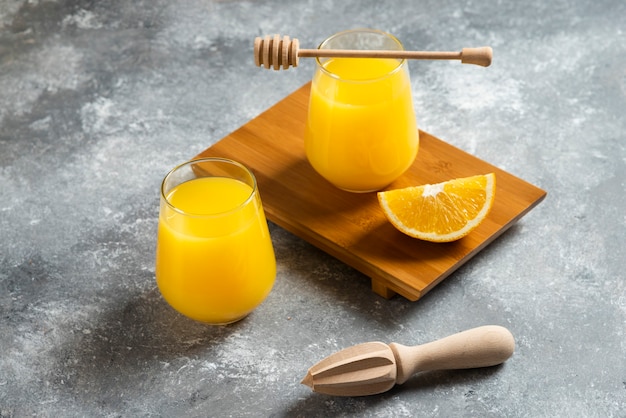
(400, 65)
(239, 207)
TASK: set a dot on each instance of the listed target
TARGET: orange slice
(440, 212)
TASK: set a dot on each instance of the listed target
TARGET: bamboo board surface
(351, 226)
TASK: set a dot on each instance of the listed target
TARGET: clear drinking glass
(214, 260)
(361, 131)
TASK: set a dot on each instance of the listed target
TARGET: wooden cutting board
(352, 227)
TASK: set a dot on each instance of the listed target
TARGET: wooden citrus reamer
(276, 52)
(375, 367)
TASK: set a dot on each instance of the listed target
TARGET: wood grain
(352, 227)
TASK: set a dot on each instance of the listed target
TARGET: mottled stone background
(99, 99)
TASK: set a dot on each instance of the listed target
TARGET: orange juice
(361, 131)
(215, 262)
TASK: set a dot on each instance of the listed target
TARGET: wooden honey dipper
(274, 52)
(375, 367)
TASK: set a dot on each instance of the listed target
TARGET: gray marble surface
(99, 99)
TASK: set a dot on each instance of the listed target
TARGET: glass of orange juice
(361, 131)
(214, 259)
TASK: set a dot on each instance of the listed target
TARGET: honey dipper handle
(478, 56)
(478, 347)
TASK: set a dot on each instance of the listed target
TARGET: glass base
(375, 189)
(218, 324)
(361, 191)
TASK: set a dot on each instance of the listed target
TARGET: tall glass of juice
(214, 260)
(361, 131)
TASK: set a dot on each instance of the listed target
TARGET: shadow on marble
(426, 382)
(426, 386)
(335, 281)
(128, 342)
